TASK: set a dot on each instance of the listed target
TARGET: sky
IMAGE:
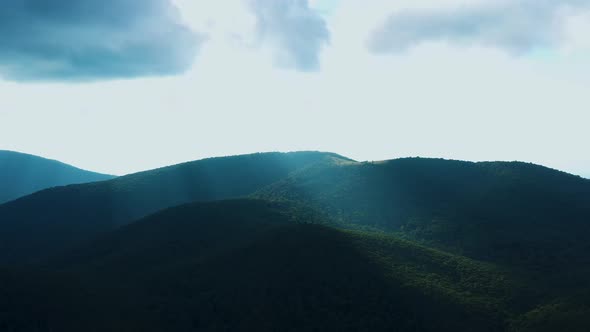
(119, 86)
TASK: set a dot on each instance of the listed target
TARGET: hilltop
(510, 212)
(23, 174)
(55, 219)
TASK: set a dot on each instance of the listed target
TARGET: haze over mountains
(23, 174)
(304, 241)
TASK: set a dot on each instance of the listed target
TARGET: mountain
(53, 220)
(23, 174)
(250, 265)
(323, 243)
(509, 212)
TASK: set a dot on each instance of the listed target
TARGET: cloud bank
(296, 32)
(91, 40)
(516, 26)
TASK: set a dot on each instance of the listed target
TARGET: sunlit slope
(251, 265)
(23, 174)
(516, 213)
(48, 221)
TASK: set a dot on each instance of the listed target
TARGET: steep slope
(23, 174)
(49, 221)
(250, 265)
(515, 213)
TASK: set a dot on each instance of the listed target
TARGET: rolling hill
(49, 221)
(255, 265)
(324, 244)
(23, 174)
(509, 212)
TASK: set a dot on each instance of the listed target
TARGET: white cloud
(295, 31)
(290, 31)
(517, 26)
(89, 40)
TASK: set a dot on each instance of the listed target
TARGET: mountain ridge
(302, 241)
(22, 174)
(54, 218)
(499, 205)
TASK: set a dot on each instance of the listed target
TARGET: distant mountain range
(23, 174)
(305, 241)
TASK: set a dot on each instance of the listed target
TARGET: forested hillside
(256, 265)
(315, 242)
(51, 220)
(510, 212)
